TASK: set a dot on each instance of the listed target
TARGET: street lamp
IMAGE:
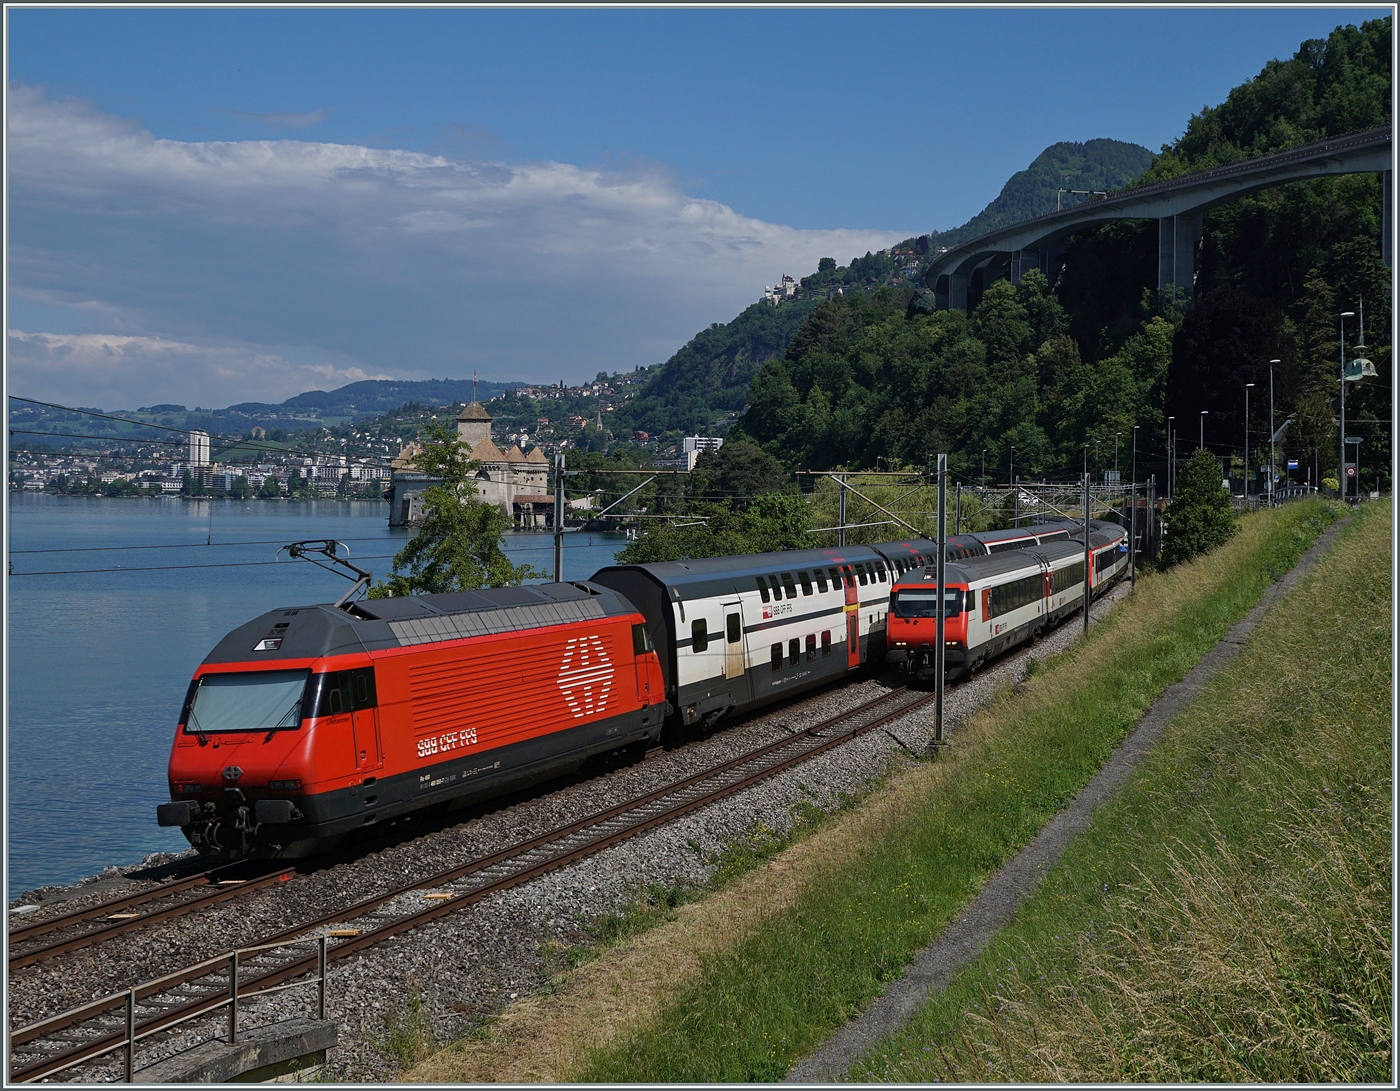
(1272, 433)
(984, 467)
(1247, 388)
(1342, 405)
(1116, 437)
(1171, 456)
(1203, 428)
(1015, 500)
(1132, 519)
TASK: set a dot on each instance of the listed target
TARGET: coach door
(852, 617)
(733, 640)
(364, 716)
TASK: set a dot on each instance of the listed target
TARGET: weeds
(1253, 942)
(410, 1035)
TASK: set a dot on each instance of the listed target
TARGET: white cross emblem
(586, 685)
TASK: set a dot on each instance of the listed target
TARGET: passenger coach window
(699, 639)
(777, 590)
(789, 586)
(732, 629)
(826, 642)
(806, 582)
(971, 601)
(821, 580)
(811, 647)
(776, 652)
(860, 571)
(880, 571)
(794, 653)
(641, 640)
(762, 587)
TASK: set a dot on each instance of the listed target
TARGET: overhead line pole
(1088, 597)
(939, 677)
(559, 517)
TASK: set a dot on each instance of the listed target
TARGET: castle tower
(473, 425)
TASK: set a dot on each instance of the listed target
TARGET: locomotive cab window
(699, 638)
(335, 693)
(245, 701)
(641, 640)
(922, 602)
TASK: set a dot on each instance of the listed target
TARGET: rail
(129, 1000)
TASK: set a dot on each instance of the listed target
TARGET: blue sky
(207, 200)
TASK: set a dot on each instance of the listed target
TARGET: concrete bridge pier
(957, 290)
(1177, 238)
(1387, 224)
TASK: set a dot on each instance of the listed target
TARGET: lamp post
(1015, 500)
(1247, 388)
(1342, 405)
(1132, 518)
(984, 467)
(1088, 556)
(1171, 456)
(1116, 437)
(1203, 429)
(1272, 433)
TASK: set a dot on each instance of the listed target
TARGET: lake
(102, 645)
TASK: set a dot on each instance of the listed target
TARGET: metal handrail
(151, 988)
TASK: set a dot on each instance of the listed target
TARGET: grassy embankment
(795, 977)
(743, 981)
(1228, 916)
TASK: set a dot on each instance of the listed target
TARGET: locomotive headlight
(284, 785)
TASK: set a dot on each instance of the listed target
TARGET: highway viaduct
(1177, 205)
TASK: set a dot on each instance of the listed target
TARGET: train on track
(311, 722)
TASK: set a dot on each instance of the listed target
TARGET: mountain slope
(1094, 165)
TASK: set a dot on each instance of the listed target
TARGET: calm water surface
(99, 660)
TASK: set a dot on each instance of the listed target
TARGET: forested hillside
(1046, 369)
(706, 382)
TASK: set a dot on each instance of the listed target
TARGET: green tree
(271, 488)
(458, 548)
(1199, 517)
(241, 488)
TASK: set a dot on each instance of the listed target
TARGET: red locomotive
(311, 722)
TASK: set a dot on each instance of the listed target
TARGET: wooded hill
(707, 380)
(1050, 368)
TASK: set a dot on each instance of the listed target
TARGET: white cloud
(389, 261)
(122, 371)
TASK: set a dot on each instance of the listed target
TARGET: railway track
(50, 1046)
(98, 923)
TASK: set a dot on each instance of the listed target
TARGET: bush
(1199, 517)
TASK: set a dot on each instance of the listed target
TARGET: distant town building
(784, 289)
(515, 481)
(199, 448)
(692, 447)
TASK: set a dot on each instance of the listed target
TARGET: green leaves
(458, 547)
(1199, 517)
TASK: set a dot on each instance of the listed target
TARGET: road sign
(1353, 439)
(1292, 463)
(1351, 471)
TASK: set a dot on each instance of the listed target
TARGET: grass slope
(1228, 916)
(787, 986)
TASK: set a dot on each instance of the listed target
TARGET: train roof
(705, 576)
(311, 632)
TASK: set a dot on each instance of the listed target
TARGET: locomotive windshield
(245, 701)
(915, 602)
